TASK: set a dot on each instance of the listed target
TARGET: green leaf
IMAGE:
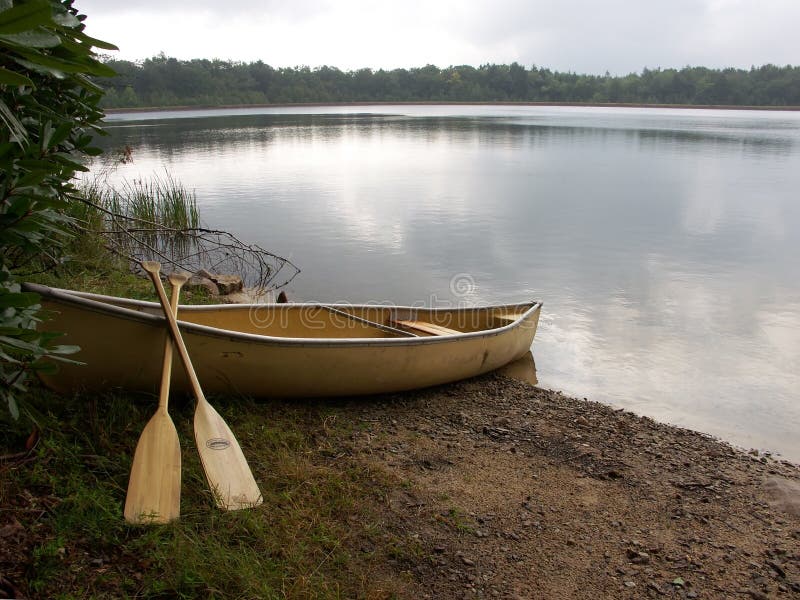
(21, 345)
(12, 405)
(9, 359)
(60, 360)
(32, 39)
(40, 67)
(25, 16)
(20, 300)
(67, 161)
(89, 84)
(61, 133)
(65, 18)
(54, 64)
(46, 62)
(47, 367)
(31, 179)
(11, 78)
(94, 42)
(64, 349)
(18, 131)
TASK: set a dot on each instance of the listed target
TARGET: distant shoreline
(451, 103)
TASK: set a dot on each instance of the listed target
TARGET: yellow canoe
(284, 350)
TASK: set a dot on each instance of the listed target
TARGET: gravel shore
(513, 491)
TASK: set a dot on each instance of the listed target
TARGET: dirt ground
(512, 491)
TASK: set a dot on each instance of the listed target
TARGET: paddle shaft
(173, 328)
(166, 369)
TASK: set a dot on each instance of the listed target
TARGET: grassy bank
(66, 538)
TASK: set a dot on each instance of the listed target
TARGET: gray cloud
(584, 36)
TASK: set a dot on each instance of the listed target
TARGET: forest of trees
(163, 81)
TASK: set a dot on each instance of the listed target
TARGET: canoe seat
(425, 327)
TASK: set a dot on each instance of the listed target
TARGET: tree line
(164, 81)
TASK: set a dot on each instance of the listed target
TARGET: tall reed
(139, 217)
(161, 201)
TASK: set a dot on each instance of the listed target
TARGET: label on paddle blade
(217, 444)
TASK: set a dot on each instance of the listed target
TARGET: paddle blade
(154, 489)
(226, 468)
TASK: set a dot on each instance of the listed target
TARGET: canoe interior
(320, 321)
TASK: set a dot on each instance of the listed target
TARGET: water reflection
(523, 369)
(663, 243)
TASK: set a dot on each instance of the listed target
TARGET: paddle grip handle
(153, 270)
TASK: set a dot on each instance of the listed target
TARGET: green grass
(161, 200)
(303, 542)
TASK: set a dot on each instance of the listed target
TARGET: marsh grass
(160, 199)
(303, 542)
(97, 255)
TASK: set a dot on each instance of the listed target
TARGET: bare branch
(188, 249)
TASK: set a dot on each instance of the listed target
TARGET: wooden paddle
(226, 468)
(154, 489)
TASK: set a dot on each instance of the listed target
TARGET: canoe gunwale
(100, 303)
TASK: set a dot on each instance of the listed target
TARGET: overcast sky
(585, 36)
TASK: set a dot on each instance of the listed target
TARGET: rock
(467, 561)
(502, 422)
(654, 586)
(784, 494)
(228, 284)
(197, 282)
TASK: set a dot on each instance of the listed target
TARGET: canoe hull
(124, 351)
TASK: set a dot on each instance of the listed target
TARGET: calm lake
(665, 244)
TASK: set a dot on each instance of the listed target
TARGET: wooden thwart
(425, 327)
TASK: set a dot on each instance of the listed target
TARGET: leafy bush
(49, 109)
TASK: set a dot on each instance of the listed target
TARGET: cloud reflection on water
(661, 242)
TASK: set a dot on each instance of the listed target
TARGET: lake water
(665, 244)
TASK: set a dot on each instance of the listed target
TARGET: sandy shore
(513, 491)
